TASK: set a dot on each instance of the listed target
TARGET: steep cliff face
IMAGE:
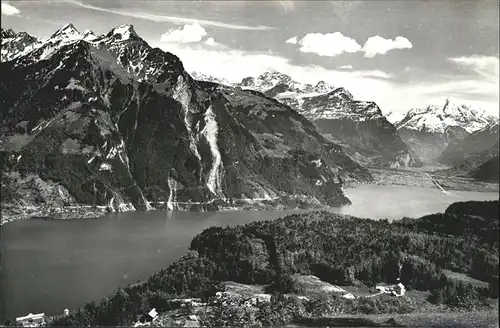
(117, 123)
(428, 145)
(474, 149)
(476, 155)
(487, 171)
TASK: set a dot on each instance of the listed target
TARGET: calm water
(51, 265)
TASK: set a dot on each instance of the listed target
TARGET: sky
(400, 54)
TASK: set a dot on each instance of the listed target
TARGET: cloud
(185, 34)
(346, 67)
(172, 19)
(334, 44)
(376, 45)
(190, 34)
(292, 40)
(485, 66)
(328, 44)
(9, 10)
(212, 43)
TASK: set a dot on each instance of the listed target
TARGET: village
(233, 293)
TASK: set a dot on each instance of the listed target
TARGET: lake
(50, 265)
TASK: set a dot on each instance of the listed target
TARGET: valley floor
(417, 177)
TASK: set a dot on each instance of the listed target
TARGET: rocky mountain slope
(487, 171)
(16, 44)
(474, 149)
(428, 131)
(476, 155)
(108, 120)
(359, 126)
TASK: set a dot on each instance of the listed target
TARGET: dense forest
(339, 249)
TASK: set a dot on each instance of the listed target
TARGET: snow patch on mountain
(209, 78)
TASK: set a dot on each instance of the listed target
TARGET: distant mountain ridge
(359, 126)
(428, 131)
(107, 120)
(473, 149)
(437, 118)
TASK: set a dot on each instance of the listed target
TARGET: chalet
(395, 290)
(349, 296)
(32, 320)
(399, 290)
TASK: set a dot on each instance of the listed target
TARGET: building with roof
(32, 320)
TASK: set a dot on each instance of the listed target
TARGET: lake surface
(50, 265)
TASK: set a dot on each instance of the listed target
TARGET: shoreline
(85, 212)
(408, 177)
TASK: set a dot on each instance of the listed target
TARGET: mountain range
(369, 136)
(358, 126)
(109, 121)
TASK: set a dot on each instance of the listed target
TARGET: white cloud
(185, 34)
(328, 44)
(346, 67)
(210, 42)
(172, 19)
(485, 66)
(292, 40)
(376, 45)
(9, 10)
(334, 44)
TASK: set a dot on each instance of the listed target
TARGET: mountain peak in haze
(437, 118)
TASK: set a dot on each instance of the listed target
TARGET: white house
(395, 290)
(349, 296)
(32, 320)
(399, 290)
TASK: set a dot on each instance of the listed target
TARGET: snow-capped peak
(89, 35)
(342, 92)
(322, 86)
(123, 32)
(437, 118)
(209, 78)
(8, 33)
(273, 78)
(67, 31)
(17, 44)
